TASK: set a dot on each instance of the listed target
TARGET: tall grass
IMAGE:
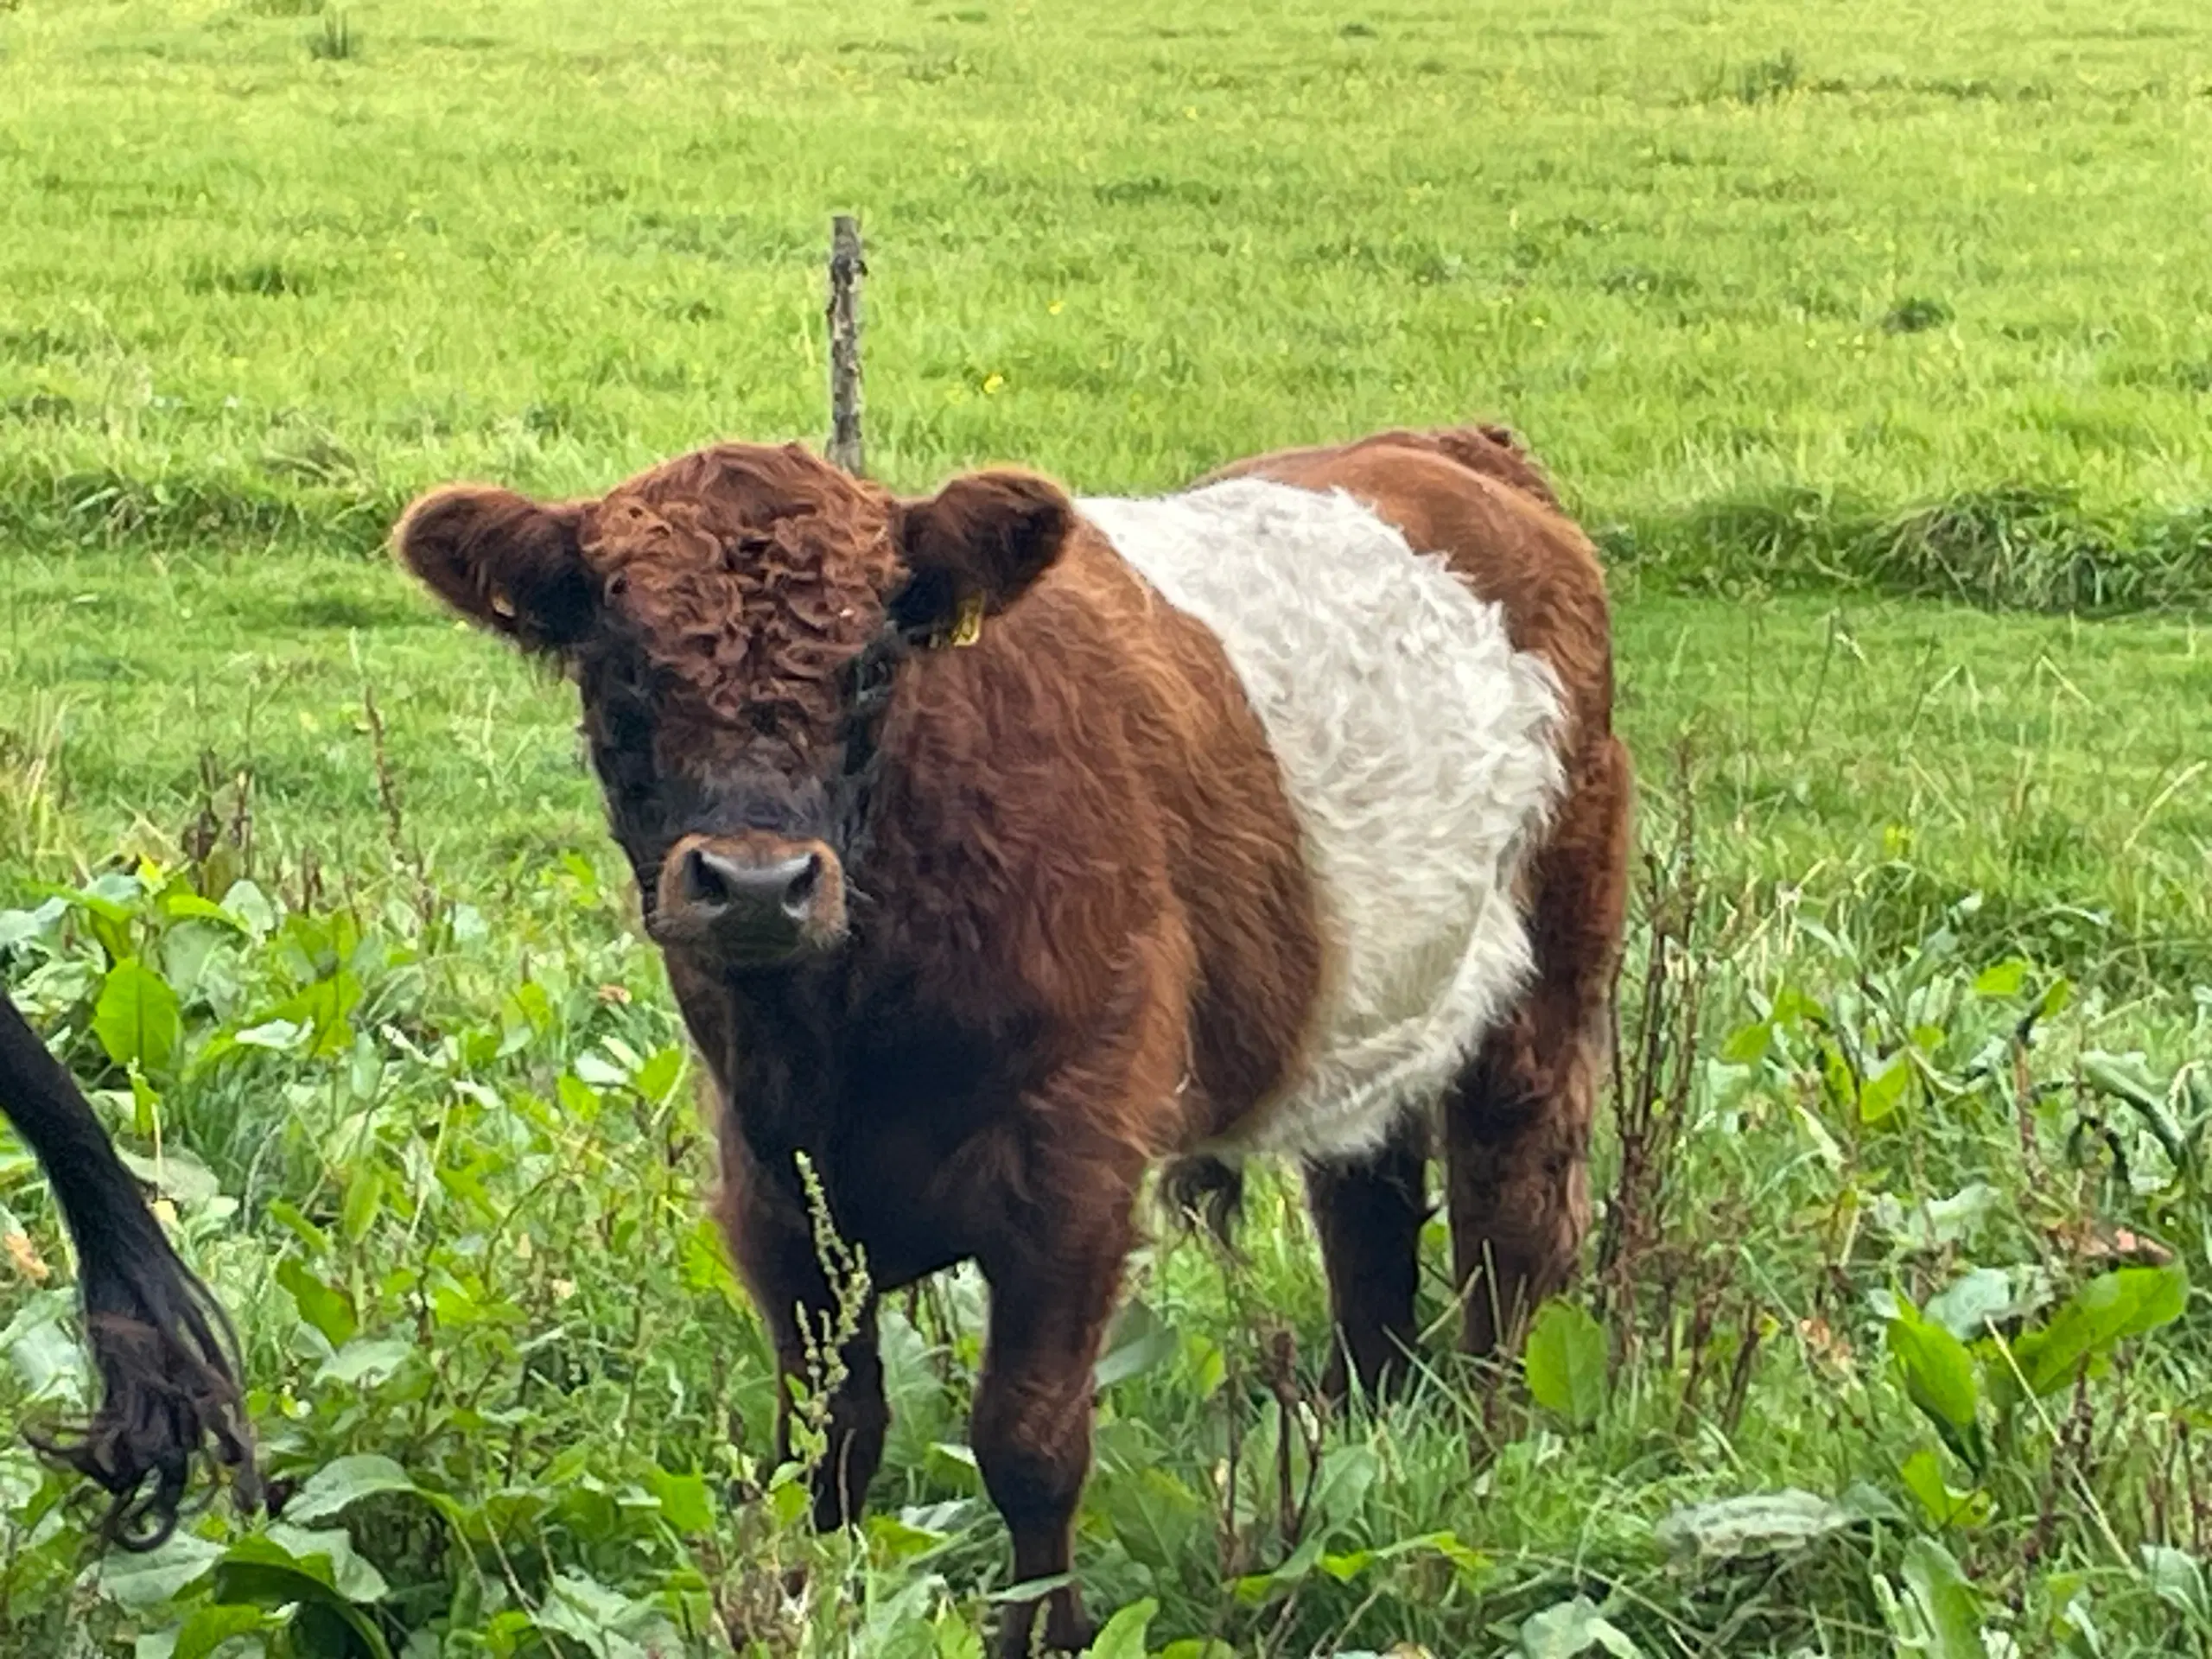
(1913, 294)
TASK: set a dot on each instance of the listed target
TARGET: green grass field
(1875, 342)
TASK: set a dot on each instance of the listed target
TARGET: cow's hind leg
(1369, 1213)
(1516, 1128)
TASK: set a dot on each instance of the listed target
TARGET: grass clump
(2016, 546)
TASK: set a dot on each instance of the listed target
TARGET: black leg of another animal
(169, 1389)
(1369, 1214)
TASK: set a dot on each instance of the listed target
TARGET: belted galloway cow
(1002, 847)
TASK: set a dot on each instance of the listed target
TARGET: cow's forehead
(740, 525)
(737, 582)
(733, 488)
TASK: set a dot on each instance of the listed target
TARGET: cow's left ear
(503, 560)
(975, 547)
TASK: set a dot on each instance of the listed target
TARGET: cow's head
(728, 618)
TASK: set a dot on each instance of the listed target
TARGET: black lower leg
(1369, 1214)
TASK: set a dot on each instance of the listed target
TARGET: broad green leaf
(17, 926)
(138, 1582)
(1122, 1636)
(603, 1622)
(893, 1540)
(598, 1072)
(957, 1639)
(138, 1019)
(1030, 1589)
(2002, 979)
(1748, 1045)
(898, 1624)
(2179, 1580)
(1141, 1340)
(1969, 1303)
(365, 1362)
(249, 905)
(1939, 1375)
(1151, 1513)
(324, 1305)
(44, 1353)
(1757, 1523)
(1572, 1628)
(1565, 1363)
(263, 1573)
(182, 904)
(275, 1035)
(350, 1575)
(287, 1213)
(578, 1099)
(1345, 1567)
(1258, 1586)
(2103, 1312)
(210, 1627)
(110, 902)
(1352, 1563)
(949, 1463)
(527, 1013)
(1881, 1095)
(1930, 1224)
(684, 1501)
(1922, 1473)
(343, 1481)
(1794, 1007)
(363, 1197)
(1940, 1380)
(2126, 1078)
(1948, 1605)
(1348, 1472)
(177, 1175)
(657, 1078)
(326, 1007)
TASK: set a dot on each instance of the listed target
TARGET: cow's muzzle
(750, 900)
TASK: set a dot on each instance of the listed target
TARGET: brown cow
(159, 1340)
(1264, 816)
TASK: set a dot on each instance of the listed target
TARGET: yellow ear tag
(967, 621)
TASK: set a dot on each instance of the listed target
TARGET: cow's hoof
(1064, 1628)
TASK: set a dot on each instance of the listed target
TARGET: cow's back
(1418, 750)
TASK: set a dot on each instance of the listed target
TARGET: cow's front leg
(1052, 1296)
(773, 1241)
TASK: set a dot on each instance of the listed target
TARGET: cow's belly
(1418, 750)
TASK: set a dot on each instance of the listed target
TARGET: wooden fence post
(847, 267)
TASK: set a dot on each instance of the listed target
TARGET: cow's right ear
(504, 562)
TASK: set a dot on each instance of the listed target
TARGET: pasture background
(1826, 318)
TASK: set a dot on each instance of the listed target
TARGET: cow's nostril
(799, 896)
(709, 879)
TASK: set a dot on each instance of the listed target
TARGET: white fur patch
(1420, 752)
